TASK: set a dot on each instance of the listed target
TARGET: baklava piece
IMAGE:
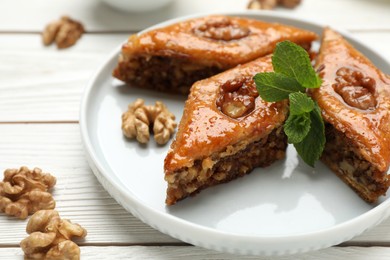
(355, 103)
(226, 131)
(174, 57)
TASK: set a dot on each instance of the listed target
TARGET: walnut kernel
(355, 89)
(64, 32)
(262, 4)
(289, 3)
(137, 120)
(237, 98)
(163, 124)
(221, 29)
(50, 237)
(24, 191)
(271, 4)
(50, 32)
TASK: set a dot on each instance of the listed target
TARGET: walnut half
(271, 4)
(137, 120)
(64, 32)
(237, 97)
(221, 29)
(50, 237)
(24, 191)
(356, 89)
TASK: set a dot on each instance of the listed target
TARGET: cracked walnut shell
(50, 237)
(137, 120)
(24, 191)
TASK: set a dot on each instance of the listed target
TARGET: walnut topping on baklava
(237, 97)
(356, 89)
(222, 29)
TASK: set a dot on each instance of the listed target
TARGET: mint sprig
(311, 147)
(294, 62)
(293, 75)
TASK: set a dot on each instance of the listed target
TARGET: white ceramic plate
(283, 209)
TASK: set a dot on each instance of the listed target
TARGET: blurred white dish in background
(137, 5)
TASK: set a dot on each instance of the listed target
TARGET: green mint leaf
(293, 61)
(297, 127)
(311, 147)
(274, 87)
(300, 103)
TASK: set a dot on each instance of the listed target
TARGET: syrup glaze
(367, 125)
(216, 40)
(205, 129)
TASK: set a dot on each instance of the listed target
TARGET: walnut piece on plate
(24, 191)
(271, 4)
(50, 237)
(64, 32)
(262, 4)
(136, 122)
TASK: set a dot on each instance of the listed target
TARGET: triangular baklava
(355, 103)
(174, 57)
(226, 131)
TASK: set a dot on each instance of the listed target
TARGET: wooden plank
(43, 84)
(40, 83)
(57, 148)
(97, 16)
(196, 253)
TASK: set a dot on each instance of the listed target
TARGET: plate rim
(231, 241)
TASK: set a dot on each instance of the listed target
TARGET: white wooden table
(40, 90)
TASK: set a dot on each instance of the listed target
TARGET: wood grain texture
(44, 84)
(196, 253)
(40, 83)
(57, 149)
(97, 16)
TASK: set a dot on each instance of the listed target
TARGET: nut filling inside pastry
(170, 74)
(236, 161)
(343, 157)
(355, 102)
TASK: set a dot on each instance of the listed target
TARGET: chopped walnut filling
(168, 74)
(355, 89)
(221, 29)
(50, 237)
(344, 158)
(237, 160)
(24, 191)
(237, 98)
